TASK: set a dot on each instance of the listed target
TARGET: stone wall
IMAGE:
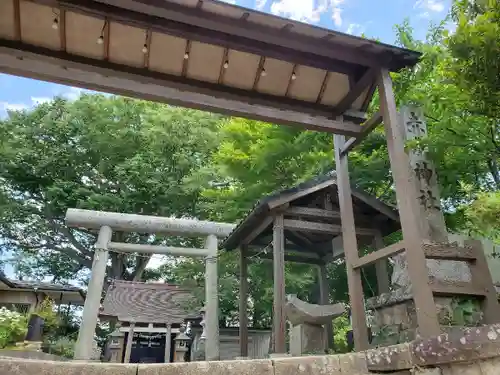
(473, 351)
(395, 321)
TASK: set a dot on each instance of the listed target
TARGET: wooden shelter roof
(147, 302)
(202, 54)
(312, 220)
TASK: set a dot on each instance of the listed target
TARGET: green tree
(101, 153)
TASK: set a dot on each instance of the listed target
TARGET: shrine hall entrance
(149, 347)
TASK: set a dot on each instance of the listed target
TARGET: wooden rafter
(106, 35)
(224, 65)
(186, 57)
(62, 29)
(323, 88)
(17, 20)
(355, 91)
(368, 127)
(258, 73)
(147, 44)
(291, 79)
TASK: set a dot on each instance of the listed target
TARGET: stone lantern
(181, 344)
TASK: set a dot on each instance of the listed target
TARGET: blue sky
(374, 18)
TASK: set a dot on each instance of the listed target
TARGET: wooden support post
(212, 301)
(128, 344)
(381, 271)
(324, 299)
(279, 318)
(243, 302)
(168, 343)
(356, 298)
(408, 211)
(83, 346)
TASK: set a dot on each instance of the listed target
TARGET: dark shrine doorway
(147, 347)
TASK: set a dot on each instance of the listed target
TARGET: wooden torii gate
(106, 223)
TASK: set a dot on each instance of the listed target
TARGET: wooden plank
(481, 276)
(200, 25)
(283, 48)
(384, 253)
(313, 213)
(356, 298)
(313, 227)
(17, 20)
(366, 80)
(279, 317)
(243, 305)
(258, 230)
(381, 266)
(408, 211)
(289, 258)
(138, 82)
(367, 128)
(448, 252)
(456, 288)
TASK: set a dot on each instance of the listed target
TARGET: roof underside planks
(200, 54)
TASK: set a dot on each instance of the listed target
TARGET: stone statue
(307, 335)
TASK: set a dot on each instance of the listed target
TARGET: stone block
(307, 339)
(458, 345)
(353, 363)
(251, 367)
(490, 366)
(462, 369)
(16, 366)
(407, 335)
(391, 358)
(308, 365)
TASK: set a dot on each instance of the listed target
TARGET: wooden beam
(313, 227)
(279, 317)
(207, 27)
(41, 63)
(384, 253)
(62, 29)
(299, 194)
(354, 282)
(290, 258)
(17, 20)
(324, 299)
(258, 230)
(354, 92)
(381, 266)
(481, 278)
(147, 45)
(408, 210)
(323, 88)
(156, 249)
(313, 213)
(456, 288)
(243, 305)
(367, 128)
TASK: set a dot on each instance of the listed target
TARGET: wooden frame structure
(107, 222)
(304, 225)
(214, 56)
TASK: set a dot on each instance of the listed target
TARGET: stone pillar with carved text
(433, 225)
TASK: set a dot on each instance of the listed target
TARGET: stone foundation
(472, 351)
(395, 320)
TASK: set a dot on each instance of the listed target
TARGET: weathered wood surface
(380, 254)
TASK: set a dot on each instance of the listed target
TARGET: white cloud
(260, 4)
(229, 1)
(430, 5)
(355, 29)
(73, 93)
(307, 10)
(6, 106)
